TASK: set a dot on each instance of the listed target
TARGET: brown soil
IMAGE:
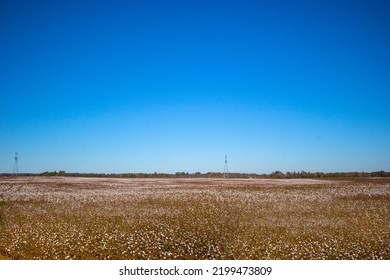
(4, 257)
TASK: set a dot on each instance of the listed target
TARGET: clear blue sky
(167, 86)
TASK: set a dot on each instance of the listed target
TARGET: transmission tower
(226, 170)
(16, 167)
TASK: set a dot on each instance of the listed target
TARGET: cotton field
(95, 218)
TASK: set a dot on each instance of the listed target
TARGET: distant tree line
(314, 175)
(276, 174)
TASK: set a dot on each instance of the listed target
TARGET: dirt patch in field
(4, 257)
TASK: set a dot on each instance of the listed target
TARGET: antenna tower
(226, 170)
(16, 167)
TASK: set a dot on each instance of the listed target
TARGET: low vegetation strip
(193, 218)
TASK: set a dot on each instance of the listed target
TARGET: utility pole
(16, 167)
(226, 170)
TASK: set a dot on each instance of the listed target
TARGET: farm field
(104, 218)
